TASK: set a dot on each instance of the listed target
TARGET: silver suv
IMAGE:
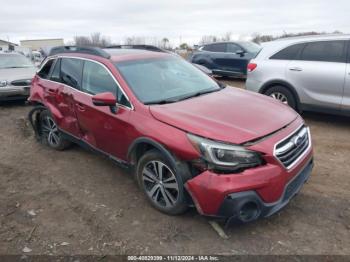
(307, 73)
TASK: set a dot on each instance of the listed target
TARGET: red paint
(269, 181)
(231, 115)
(104, 99)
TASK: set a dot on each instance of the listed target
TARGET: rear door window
(56, 72)
(45, 70)
(233, 48)
(324, 51)
(220, 47)
(71, 72)
(288, 53)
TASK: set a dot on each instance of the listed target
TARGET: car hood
(11, 74)
(230, 115)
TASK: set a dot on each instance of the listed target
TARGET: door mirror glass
(104, 99)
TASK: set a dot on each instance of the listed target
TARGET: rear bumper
(253, 85)
(248, 206)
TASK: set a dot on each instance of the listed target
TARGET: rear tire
(283, 95)
(161, 184)
(50, 133)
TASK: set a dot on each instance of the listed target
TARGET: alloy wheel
(50, 130)
(160, 184)
(280, 97)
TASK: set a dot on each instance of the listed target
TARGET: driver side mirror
(240, 52)
(105, 99)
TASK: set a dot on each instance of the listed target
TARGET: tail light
(251, 67)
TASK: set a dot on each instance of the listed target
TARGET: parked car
(189, 140)
(226, 58)
(37, 57)
(16, 73)
(307, 73)
(158, 49)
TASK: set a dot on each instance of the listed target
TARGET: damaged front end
(241, 183)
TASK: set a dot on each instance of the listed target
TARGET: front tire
(161, 184)
(283, 95)
(50, 133)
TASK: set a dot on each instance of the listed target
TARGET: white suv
(307, 73)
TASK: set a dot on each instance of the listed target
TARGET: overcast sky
(179, 20)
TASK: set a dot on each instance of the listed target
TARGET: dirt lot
(76, 202)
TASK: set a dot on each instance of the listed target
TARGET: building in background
(37, 44)
(6, 45)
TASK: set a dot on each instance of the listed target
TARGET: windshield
(251, 47)
(165, 80)
(14, 61)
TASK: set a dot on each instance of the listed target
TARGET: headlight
(225, 156)
(3, 83)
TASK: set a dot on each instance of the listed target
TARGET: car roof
(225, 42)
(272, 47)
(314, 37)
(119, 55)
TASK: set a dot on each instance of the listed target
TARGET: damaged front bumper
(248, 206)
(256, 193)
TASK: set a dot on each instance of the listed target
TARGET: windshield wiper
(222, 85)
(168, 101)
(160, 102)
(198, 94)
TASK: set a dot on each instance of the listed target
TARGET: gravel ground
(76, 202)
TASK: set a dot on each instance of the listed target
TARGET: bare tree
(82, 41)
(258, 38)
(135, 40)
(227, 37)
(95, 39)
(207, 39)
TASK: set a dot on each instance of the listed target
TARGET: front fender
(149, 141)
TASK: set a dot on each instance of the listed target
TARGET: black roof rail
(79, 49)
(141, 47)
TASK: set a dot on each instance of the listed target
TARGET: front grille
(24, 82)
(292, 148)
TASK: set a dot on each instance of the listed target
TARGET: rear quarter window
(288, 53)
(325, 51)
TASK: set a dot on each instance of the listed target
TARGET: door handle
(297, 69)
(80, 107)
(52, 91)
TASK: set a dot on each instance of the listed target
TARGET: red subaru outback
(190, 140)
